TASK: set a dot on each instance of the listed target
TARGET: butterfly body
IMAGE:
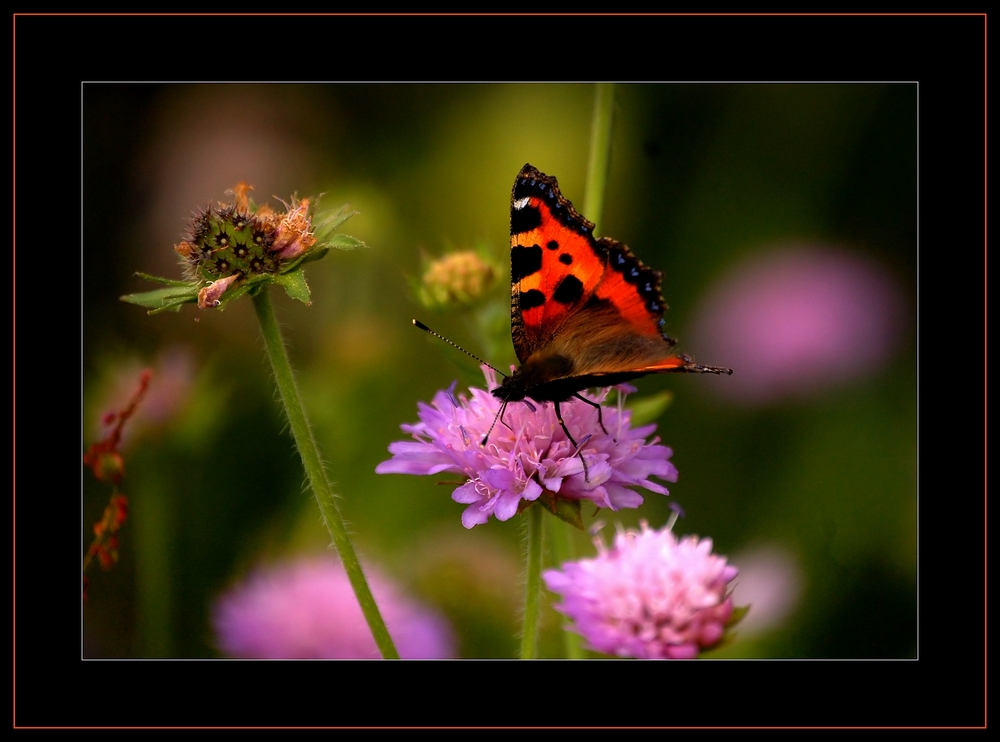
(584, 312)
(550, 378)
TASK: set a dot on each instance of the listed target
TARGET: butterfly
(584, 312)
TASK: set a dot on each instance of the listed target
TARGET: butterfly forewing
(583, 312)
(591, 302)
(555, 263)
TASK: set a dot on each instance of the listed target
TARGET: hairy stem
(597, 179)
(532, 584)
(318, 482)
(562, 552)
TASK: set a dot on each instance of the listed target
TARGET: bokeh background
(782, 216)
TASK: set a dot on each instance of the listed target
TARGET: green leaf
(563, 509)
(315, 254)
(648, 409)
(171, 307)
(162, 299)
(345, 242)
(294, 284)
(233, 294)
(729, 636)
(329, 221)
(738, 614)
(167, 281)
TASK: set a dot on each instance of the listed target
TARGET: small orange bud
(107, 465)
(187, 251)
(209, 296)
(108, 553)
(240, 191)
(120, 505)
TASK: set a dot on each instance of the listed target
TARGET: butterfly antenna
(417, 323)
(494, 423)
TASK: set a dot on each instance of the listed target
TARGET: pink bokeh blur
(771, 583)
(306, 609)
(796, 320)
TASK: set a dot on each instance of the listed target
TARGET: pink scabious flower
(306, 609)
(528, 453)
(649, 595)
(797, 320)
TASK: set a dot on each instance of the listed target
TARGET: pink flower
(648, 596)
(798, 320)
(306, 609)
(529, 453)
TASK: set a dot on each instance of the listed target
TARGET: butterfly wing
(555, 263)
(591, 304)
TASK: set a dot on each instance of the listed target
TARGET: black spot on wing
(531, 299)
(569, 290)
(566, 259)
(552, 245)
(524, 261)
(524, 219)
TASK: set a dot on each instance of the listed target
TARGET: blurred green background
(819, 489)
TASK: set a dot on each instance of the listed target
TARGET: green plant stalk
(154, 524)
(532, 584)
(597, 179)
(562, 552)
(600, 151)
(309, 452)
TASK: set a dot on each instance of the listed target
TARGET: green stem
(154, 524)
(597, 179)
(532, 584)
(600, 151)
(309, 452)
(562, 552)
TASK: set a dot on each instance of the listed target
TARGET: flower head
(457, 278)
(306, 609)
(529, 454)
(230, 249)
(227, 243)
(649, 595)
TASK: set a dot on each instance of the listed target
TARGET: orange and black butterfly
(584, 312)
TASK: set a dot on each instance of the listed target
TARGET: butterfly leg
(592, 403)
(586, 472)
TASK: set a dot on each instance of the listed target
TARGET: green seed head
(227, 240)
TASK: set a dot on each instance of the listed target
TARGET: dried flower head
(232, 248)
